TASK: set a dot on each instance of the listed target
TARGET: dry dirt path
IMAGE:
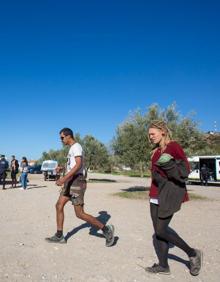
(27, 217)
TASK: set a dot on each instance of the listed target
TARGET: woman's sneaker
(157, 269)
(56, 239)
(195, 263)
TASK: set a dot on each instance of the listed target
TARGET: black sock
(105, 229)
(59, 233)
(192, 253)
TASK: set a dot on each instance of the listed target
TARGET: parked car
(35, 169)
(48, 168)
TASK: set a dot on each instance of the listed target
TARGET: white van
(211, 162)
(48, 168)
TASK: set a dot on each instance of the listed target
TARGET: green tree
(131, 143)
(96, 154)
(190, 138)
(212, 143)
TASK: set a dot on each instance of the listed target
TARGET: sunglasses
(62, 137)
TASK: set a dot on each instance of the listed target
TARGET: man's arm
(72, 172)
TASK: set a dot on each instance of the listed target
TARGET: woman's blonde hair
(159, 124)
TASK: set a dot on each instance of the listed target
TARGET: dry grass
(138, 194)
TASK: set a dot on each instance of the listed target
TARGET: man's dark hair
(67, 131)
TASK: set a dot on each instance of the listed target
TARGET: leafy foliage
(131, 143)
(96, 154)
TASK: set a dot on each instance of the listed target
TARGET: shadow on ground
(101, 180)
(136, 189)
(8, 185)
(104, 216)
(33, 186)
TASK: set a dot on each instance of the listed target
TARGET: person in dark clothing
(204, 174)
(3, 170)
(172, 189)
(167, 178)
(14, 171)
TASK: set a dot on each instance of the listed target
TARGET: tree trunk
(141, 169)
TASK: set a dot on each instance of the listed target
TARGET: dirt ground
(27, 217)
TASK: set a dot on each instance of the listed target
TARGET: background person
(3, 170)
(24, 173)
(204, 174)
(14, 170)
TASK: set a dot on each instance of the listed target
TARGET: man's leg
(4, 180)
(58, 236)
(79, 211)
(60, 211)
(14, 180)
(108, 230)
(77, 192)
(1, 179)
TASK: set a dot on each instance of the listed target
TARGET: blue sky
(86, 64)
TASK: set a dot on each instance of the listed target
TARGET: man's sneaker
(109, 235)
(157, 269)
(55, 239)
(195, 263)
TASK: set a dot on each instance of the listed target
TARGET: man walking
(74, 187)
(3, 170)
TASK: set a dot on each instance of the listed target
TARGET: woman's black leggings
(164, 236)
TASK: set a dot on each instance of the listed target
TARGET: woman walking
(169, 167)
